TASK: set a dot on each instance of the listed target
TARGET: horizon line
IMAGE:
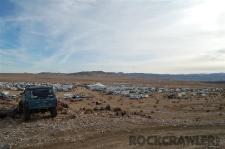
(154, 73)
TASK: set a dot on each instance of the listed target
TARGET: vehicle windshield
(42, 92)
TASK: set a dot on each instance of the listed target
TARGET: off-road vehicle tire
(53, 112)
(20, 107)
(26, 114)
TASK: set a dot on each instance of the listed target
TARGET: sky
(149, 36)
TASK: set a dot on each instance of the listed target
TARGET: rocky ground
(97, 130)
(107, 121)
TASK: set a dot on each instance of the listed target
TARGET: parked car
(37, 99)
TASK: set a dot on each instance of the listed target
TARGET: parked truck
(37, 99)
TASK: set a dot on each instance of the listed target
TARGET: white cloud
(130, 36)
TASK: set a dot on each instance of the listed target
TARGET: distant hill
(98, 76)
(89, 73)
(213, 77)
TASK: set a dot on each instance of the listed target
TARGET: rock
(102, 109)
(98, 108)
(203, 95)
(108, 107)
(88, 111)
(98, 103)
(171, 96)
(145, 96)
(59, 108)
(120, 113)
(135, 96)
(68, 96)
(61, 105)
(117, 109)
(64, 111)
(97, 87)
(124, 113)
(148, 116)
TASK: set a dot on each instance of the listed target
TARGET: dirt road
(120, 139)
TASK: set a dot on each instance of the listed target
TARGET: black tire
(53, 112)
(20, 107)
(26, 114)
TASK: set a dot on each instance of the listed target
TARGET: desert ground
(102, 120)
